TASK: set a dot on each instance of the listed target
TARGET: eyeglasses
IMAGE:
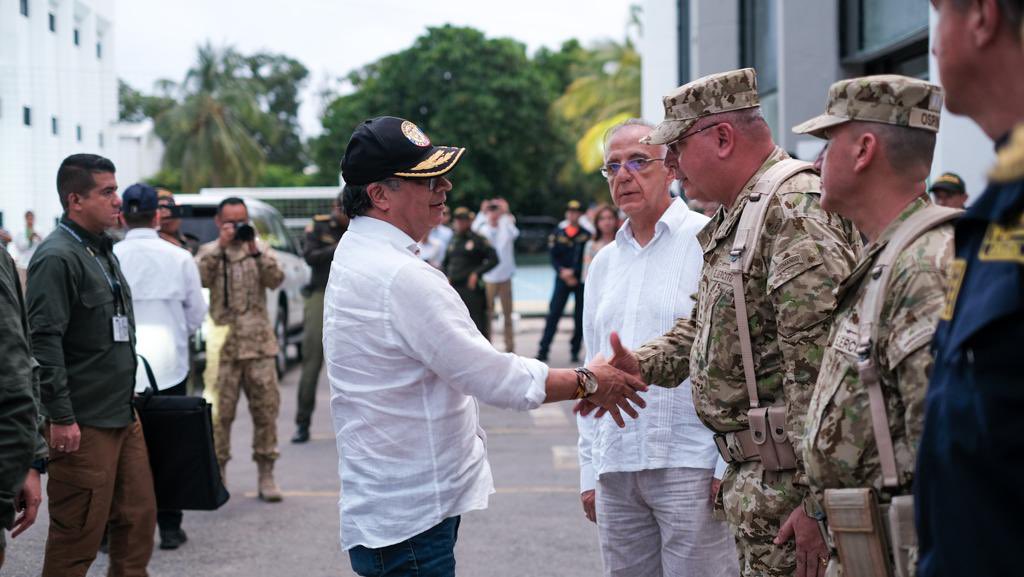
(633, 165)
(432, 183)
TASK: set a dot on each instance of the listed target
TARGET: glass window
(26, 115)
(54, 126)
(53, 22)
(78, 133)
(78, 37)
(101, 139)
(24, 8)
(99, 50)
(759, 41)
(870, 26)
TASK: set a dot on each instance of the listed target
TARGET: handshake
(616, 385)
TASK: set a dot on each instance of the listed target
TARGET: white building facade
(58, 96)
(799, 48)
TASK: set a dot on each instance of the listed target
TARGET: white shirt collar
(385, 231)
(673, 217)
(141, 233)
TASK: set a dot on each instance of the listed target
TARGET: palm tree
(209, 134)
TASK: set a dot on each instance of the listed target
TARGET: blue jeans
(429, 554)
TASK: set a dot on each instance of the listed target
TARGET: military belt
(737, 446)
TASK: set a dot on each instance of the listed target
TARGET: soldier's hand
(811, 551)
(65, 438)
(252, 248)
(472, 281)
(226, 235)
(28, 503)
(589, 507)
(615, 391)
(622, 358)
(716, 486)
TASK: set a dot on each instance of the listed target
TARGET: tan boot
(268, 490)
(224, 474)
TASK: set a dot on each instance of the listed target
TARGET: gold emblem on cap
(414, 134)
(436, 159)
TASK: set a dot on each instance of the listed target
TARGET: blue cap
(139, 198)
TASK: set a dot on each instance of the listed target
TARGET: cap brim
(668, 131)
(817, 125)
(440, 160)
(947, 187)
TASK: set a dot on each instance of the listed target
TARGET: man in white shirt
(654, 478)
(496, 223)
(407, 365)
(434, 246)
(168, 301)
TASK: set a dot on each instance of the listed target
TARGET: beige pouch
(856, 526)
(903, 534)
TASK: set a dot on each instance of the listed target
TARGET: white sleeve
(195, 305)
(720, 467)
(588, 478)
(592, 345)
(510, 224)
(435, 325)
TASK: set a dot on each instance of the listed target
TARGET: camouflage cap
(463, 213)
(886, 98)
(712, 94)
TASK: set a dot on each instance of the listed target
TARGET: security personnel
(969, 464)
(322, 236)
(21, 443)
(83, 336)
(566, 246)
(949, 190)
(238, 271)
(466, 259)
(170, 223)
(751, 382)
(888, 124)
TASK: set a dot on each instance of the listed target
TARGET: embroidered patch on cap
(414, 134)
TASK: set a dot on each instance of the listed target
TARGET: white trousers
(658, 523)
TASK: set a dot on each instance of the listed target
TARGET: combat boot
(224, 474)
(268, 490)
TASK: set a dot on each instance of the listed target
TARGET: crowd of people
(817, 378)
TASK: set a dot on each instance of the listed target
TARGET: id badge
(121, 334)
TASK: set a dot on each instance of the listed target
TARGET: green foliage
(278, 175)
(168, 178)
(465, 89)
(276, 81)
(136, 107)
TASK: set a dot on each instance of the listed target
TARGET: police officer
(22, 448)
(170, 223)
(238, 271)
(322, 236)
(969, 465)
(747, 377)
(881, 132)
(83, 336)
(466, 259)
(949, 190)
(566, 247)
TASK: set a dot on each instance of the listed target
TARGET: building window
(78, 37)
(683, 33)
(78, 133)
(759, 41)
(54, 126)
(24, 8)
(101, 139)
(53, 22)
(873, 29)
(99, 50)
(26, 115)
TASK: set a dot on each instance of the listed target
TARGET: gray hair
(906, 148)
(611, 132)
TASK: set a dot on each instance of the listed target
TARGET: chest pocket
(92, 331)
(716, 314)
(96, 298)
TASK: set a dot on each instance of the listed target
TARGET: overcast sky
(332, 37)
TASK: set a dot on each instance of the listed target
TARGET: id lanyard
(113, 283)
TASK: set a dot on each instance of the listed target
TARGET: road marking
(565, 457)
(549, 416)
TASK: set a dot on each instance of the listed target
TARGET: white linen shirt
(167, 297)
(503, 238)
(639, 292)
(406, 364)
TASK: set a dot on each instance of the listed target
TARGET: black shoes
(301, 434)
(542, 357)
(172, 539)
(575, 359)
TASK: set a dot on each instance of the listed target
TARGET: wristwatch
(587, 381)
(40, 465)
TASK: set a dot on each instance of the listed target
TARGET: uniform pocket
(97, 297)
(72, 496)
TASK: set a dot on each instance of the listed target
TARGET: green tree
(277, 80)
(135, 106)
(464, 89)
(209, 134)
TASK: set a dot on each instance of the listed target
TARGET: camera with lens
(244, 232)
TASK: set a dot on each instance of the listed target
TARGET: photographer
(238, 269)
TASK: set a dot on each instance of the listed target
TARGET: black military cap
(950, 183)
(387, 146)
(574, 205)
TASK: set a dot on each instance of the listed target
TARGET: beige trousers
(502, 290)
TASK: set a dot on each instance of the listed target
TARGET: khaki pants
(502, 290)
(257, 378)
(312, 357)
(107, 481)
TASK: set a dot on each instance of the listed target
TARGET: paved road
(533, 527)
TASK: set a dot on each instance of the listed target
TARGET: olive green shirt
(19, 430)
(468, 253)
(85, 376)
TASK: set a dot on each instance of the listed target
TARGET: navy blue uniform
(566, 252)
(971, 460)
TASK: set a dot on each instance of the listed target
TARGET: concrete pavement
(534, 525)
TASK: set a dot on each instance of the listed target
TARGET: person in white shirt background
(648, 486)
(168, 301)
(496, 223)
(27, 240)
(434, 245)
(407, 365)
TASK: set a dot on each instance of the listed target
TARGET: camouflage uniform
(246, 359)
(839, 448)
(802, 255)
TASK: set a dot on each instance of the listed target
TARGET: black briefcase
(179, 437)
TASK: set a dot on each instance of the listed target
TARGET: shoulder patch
(792, 262)
(1003, 243)
(953, 281)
